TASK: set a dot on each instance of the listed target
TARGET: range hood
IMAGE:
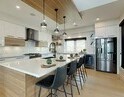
(31, 34)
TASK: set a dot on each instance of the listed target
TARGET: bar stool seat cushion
(47, 82)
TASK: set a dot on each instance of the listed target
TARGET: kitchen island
(18, 78)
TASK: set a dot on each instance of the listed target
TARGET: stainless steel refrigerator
(106, 55)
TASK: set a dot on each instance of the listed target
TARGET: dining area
(43, 77)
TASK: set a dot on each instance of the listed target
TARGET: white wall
(29, 48)
(84, 32)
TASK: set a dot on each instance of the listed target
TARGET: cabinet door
(100, 32)
(112, 31)
(20, 32)
(9, 29)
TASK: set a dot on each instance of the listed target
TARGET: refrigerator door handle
(101, 50)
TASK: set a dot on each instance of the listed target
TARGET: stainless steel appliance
(31, 34)
(52, 48)
(106, 55)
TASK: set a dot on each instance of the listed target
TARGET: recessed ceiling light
(79, 36)
(18, 7)
(97, 19)
(74, 24)
(69, 37)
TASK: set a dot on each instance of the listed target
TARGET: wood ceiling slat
(66, 7)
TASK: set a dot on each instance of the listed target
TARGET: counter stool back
(54, 82)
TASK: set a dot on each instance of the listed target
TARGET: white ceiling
(88, 4)
(105, 12)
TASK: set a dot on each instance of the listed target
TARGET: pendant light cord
(43, 9)
(56, 16)
(64, 22)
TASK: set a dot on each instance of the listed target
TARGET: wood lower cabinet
(16, 84)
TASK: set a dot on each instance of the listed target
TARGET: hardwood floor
(100, 84)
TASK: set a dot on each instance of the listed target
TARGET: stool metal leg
(76, 84)
(51, 93)
(64, 91)
(56, 93)
(83, 76)
(80, 79)
(71, 86)
(39, 92)
(68, 80)
(85, 72)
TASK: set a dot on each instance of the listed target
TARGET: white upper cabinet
(1, 29)
(100, 32)
(9, 29)
(107, 31)
(20, 32)
(12, 30)
(112, 31)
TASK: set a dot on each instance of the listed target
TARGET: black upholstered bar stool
(54, 81)
(81, 71)
(71, 75)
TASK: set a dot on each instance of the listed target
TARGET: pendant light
(43, 24)
(56, 30)
(64, 34)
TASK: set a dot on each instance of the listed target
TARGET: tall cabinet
(109, 29)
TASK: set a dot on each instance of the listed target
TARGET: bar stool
(80, 70)
(54, 81)
(71, 74)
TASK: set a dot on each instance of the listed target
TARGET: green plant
(61, 57)
(84, 50)
(49, 61)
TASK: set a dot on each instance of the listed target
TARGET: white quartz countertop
(33, 67)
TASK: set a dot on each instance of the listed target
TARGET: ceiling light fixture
(43, 24)
(79, 36)
(18, 7)
(69, 37)
(97, 19)
(64, 34)
(56, 30)
(75, 24)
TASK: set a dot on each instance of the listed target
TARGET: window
(70, 44)
(80, 45)
(75, 45)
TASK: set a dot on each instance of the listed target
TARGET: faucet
(52, 48)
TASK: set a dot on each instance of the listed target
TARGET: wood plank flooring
(100, 84)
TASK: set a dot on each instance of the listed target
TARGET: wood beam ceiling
(66, 7)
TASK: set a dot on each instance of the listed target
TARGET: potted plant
(49, 61)
(84, 51)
